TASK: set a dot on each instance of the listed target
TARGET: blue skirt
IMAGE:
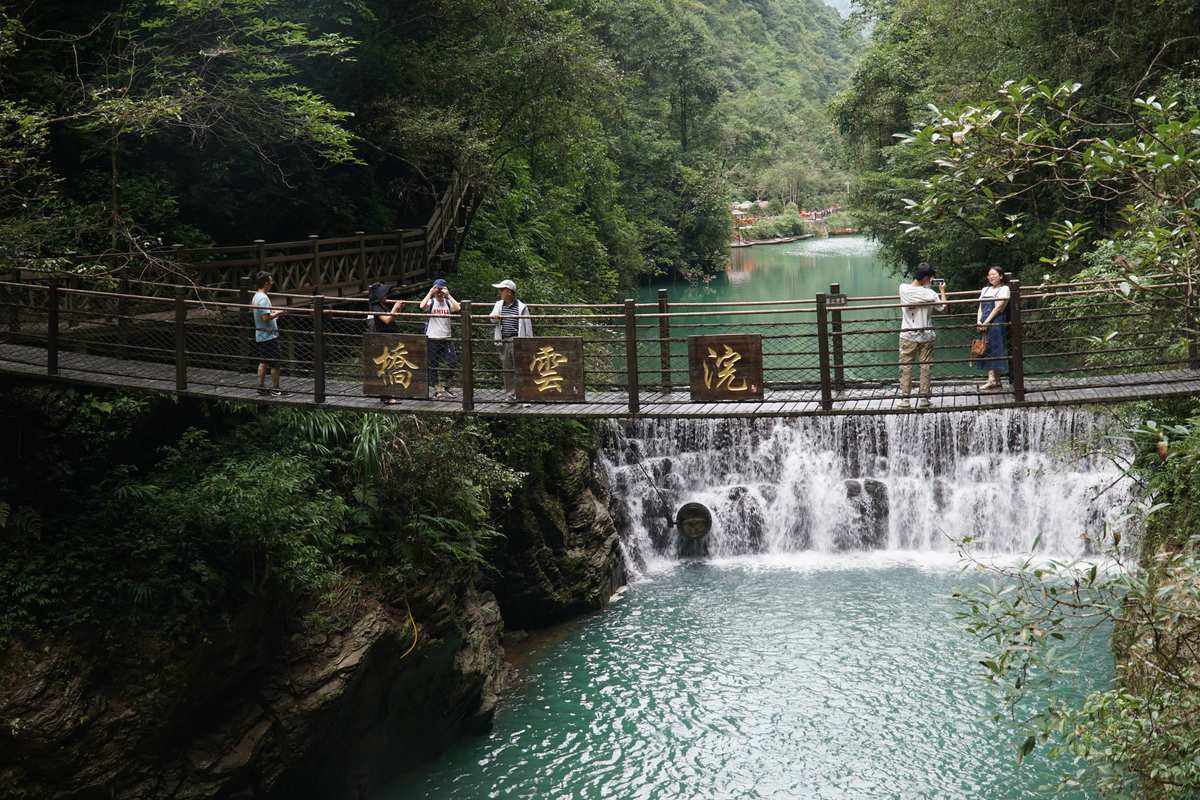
(997, 351)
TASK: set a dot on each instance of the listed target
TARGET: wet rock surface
(274, 711)
(562, 553)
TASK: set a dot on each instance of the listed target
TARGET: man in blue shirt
(266, 335)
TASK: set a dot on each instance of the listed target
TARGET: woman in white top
(991, 320)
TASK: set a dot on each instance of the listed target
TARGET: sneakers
(904, 405)
(924, 402)
(272, 392)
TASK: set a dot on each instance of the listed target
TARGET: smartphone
(939, 282)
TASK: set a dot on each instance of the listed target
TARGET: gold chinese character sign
(725, 367)
(395, 365)
(549, 368)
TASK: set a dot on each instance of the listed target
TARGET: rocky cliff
(562, 556)
(277, 703)
(267, 707)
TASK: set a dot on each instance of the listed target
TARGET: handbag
(978, 348)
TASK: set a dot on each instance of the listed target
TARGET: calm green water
(807, 677)
(791, 271)
(798, 271)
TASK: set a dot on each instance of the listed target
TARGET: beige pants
(921, 351)
(506, 364)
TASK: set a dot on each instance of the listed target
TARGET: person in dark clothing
(991, 320)
(382, 319)
(384, 308)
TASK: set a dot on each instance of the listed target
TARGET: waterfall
(902, 482)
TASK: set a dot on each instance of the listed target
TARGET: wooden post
(52, 328)
(823, 350)
(1016, 340)
(318, 311)
(245, 318)
(314, 276)
(14, 296)
(664, 336)
(1193, 350)
(260, 252)
(180, 342)
(123, 312)
(362, 260)
(835, 324)
(468, 369)
(631, 360)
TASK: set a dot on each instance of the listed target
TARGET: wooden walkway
(93, 370)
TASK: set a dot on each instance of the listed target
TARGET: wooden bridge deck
(80, 368)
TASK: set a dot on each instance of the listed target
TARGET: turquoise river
(815, 655)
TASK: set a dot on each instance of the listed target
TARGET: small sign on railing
(549, 369)
(725, 367)
(395, 365)
(836, 301)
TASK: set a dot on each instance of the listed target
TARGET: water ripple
(754, 678)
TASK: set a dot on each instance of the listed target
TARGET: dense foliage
(931, 62)
(606, 135)
(125, 514)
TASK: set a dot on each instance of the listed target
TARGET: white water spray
(900, 482)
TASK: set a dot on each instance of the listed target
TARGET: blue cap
(440, 283)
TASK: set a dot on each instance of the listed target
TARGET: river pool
(799, 676)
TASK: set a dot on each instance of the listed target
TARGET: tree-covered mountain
(607, 135)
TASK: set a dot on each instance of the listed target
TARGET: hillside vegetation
(608, 135)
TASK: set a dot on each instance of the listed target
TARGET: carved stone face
(694, 521)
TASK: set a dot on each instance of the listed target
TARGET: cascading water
(906, 482)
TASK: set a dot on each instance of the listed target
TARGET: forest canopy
(608, 136)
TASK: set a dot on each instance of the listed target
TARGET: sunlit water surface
(797, 676)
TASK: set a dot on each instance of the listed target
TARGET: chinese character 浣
(723, 371)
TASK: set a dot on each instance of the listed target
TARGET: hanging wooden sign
(725, 367)
(395, 365)
(549, 369)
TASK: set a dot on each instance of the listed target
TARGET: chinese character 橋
(545, 366)
(394, 367)
(723, 371)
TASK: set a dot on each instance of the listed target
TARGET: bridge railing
(336, 266)
(821, 350)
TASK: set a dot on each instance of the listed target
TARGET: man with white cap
(512, 320)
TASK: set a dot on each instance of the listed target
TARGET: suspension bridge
(829, 354)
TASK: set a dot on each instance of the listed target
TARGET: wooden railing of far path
(828, 354)
(332, 266)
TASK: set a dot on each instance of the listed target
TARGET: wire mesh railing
(825, 350)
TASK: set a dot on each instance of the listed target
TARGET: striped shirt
(509, 320)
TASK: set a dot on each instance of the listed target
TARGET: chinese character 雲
(545, 366)
(722, 374)
(394, 367)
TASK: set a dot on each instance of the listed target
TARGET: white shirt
(990, 292)
(919, 303)
(438, 326)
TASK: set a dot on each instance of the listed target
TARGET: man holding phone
(266, 334)
(918, 302)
